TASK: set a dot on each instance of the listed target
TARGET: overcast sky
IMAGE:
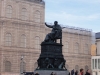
(78, 13)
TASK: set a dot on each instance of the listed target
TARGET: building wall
(74, 56)
(0, 7)
(93, 50)
(95, 59)
(18, 25)
(98, 46)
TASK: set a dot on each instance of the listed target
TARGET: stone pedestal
(51, 57)
(48, 72)
(51, 49)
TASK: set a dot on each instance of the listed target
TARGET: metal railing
(78, 30)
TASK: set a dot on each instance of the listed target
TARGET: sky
(78, 13)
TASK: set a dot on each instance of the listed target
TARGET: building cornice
(37, 1)
(41, 2)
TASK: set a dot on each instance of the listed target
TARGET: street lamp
(22, 65)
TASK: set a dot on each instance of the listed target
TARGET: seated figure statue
(55, 34)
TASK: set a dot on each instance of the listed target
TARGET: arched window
(9, 11)
(23, 41)
(8, 39)
(77, 67)
(86, 68)
(24, 14)
(7, 66)
(66, 46)
(37, 42)
(86, 49)
(37, 16)
(76, 48)
(22, 67)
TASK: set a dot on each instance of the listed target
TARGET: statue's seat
(59, 37)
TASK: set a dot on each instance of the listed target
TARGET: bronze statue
(55, 34)
(51, 57)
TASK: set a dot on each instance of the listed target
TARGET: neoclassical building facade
(22, 30)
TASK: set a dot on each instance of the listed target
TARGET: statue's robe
(56, 33)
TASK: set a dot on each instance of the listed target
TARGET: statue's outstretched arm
(48, 25)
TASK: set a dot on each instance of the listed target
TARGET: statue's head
(55, 22)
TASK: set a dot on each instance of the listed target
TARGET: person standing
(52, 73)
(69, 73)
(55, 74)
(72, 72)
(36, 73)
(81, 71)
(76, 73)
(88, 72)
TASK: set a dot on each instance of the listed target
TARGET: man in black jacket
(88, 72)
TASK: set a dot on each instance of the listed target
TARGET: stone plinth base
(9, 73)
(51, 56)
(48, 72)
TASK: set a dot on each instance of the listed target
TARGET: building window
(7, 66)
(66, 46)
(9, 11)
(24, 14)
(86, 51)
(76, 48)
(23, 41)
(8, 39)
(37, 42)
(98, 63)
(37, 16)
(93, 63)
(77, 67)
(96, 73)
(22, 67)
